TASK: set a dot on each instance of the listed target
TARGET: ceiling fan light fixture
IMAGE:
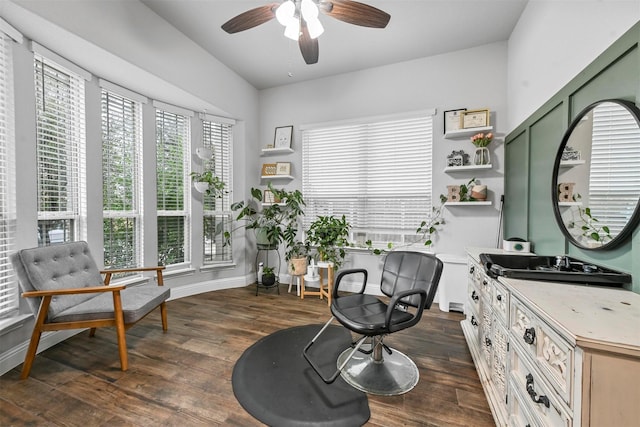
(315, 28)
(285, 12)
(309, 10)
(292, 31)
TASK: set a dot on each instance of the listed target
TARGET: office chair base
(395, 374)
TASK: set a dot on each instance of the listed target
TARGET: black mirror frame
(635, 217)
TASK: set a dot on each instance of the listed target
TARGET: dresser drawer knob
(485, 282)
(532, 393)
(488, 342)
(529, 335)
(499, 297)
(472, 269)
(473, 320)
(474, 296)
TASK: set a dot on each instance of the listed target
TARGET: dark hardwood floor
(183, 377)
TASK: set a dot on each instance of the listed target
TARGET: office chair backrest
(404, 270)
(59, 266)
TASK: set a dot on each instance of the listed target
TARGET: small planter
(268, 280)
(297, 266)
(201, 186)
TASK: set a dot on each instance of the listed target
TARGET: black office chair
(410, 280)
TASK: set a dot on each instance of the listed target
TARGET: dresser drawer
(500, 301)
(519, 413)
(551, 354)
(475, 272)
(537, 396)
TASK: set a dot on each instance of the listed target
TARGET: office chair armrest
(109, 272)
(344, 273)
(73, 291)
(397, 299)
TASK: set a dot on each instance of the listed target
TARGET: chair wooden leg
(163, 314)
(120, 330)
(92, 332)
(35, 337)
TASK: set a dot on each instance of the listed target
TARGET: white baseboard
(15, 356)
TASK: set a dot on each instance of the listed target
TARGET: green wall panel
(517, 192)
(531, 148)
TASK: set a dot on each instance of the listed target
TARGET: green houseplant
(206, 182)
(268, 276)
(272, 222)
(329, 235)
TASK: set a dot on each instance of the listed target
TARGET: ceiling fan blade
(356, 13)
(308, 46)
(250, 18)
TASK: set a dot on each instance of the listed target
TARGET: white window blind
(121, 180)
(377, 174)
(217, 211)
(8, 282)
(172, 172)
(60, 128)
(615, 139)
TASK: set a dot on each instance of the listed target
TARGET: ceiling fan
(300, 19)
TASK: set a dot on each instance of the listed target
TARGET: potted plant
(272, 222)
(296, 257)
(329, 235)
(268, 276)
(206, 182)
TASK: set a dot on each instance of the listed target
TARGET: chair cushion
(137, 302)
(59, 266)
(364, 314)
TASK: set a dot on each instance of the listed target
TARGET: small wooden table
(324, 289)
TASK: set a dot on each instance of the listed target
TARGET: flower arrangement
(482, 140)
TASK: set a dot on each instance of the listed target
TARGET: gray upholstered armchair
(66, 290)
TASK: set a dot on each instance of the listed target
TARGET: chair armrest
(396, 299)
(109, 272)
(132, 269)
(344, 273)
(73, 291)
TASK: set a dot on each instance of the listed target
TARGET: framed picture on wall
(283, 168)
(268, 169)
(283, 136)
(452, 119)
(475, 119)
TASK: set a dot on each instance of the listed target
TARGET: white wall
(473, 78)
(553, 41)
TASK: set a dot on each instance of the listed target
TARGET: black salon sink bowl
(551, 268)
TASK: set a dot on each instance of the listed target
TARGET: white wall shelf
(276, 177)
(466, 168)
(569, 203)
(478, 203)
(461, 133)
(277, 150)
(571, 163)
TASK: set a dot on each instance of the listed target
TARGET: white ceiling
(418, 28)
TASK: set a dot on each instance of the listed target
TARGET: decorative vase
(482, 156)
(479, 192)
(263, 241)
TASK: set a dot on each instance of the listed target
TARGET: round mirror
(596, 176)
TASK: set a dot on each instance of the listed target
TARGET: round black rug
(274, 383)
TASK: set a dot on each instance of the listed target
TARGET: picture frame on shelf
(452, 119)
(269, 198)
(474, 119)
(457, 158)
(283, 168)
(283, 137)
(268, 169)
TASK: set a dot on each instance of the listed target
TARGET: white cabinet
(554, 354)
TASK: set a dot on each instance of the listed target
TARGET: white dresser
(554, 354)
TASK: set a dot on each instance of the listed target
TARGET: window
(172, 171)
(121, 183)
(377, 173)
(216, 136)
(8, 282)
(613, 196)
(60, 129)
